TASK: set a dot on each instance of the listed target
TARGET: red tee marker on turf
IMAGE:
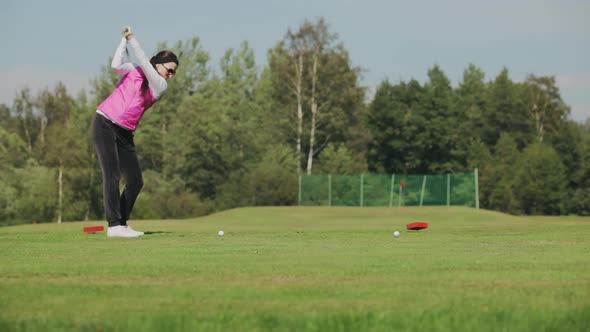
(417, 225)
(92, 229)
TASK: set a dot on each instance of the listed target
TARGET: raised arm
(156, 82)
(117, 63)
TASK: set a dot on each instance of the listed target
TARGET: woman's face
(166, 70)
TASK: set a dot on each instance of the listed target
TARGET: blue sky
(48, 41)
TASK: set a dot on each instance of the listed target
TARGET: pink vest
(126, 104)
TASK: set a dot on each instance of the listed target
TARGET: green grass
(302, 269)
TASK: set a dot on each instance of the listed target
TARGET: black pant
(116, 155)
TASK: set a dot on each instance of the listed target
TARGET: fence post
(362, 181)
(299, 196)
(329, 189)
(448, 189)
(399, 197)
(391, 191)
(423, 187)
(476, 189)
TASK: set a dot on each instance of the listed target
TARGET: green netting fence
(389, 190)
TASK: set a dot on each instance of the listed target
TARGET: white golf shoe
(134, 231)
(121, 231)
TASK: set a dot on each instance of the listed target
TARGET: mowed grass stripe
(302, 268)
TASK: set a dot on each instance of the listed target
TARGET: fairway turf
(302, 269)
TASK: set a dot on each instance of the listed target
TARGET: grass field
(302, 269)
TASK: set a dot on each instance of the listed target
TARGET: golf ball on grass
(220, 233)
(396, 233)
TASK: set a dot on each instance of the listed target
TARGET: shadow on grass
(155, 232)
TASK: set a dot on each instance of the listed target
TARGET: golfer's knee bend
(135, 184)
(112, 179)
(139, 183)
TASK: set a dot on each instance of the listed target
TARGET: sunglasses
(170, 70)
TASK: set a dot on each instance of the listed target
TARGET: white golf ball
(220, 233)
(396, 233)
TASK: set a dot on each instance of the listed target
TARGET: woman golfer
(114, 122)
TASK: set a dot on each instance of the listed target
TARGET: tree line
(236, 134)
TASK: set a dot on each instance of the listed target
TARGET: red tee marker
(417, 225)
(93, 229)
